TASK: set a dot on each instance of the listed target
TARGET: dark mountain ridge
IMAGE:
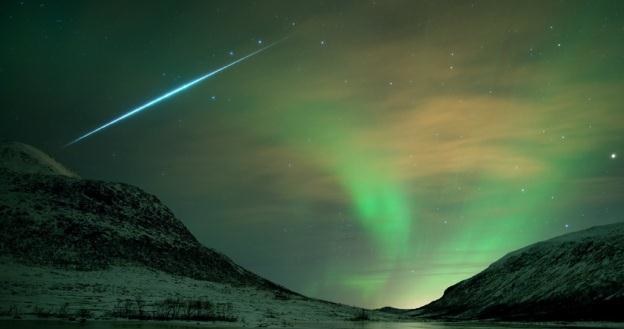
(50, 216)
(73, 247)
(574, 277)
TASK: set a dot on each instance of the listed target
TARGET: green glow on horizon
(437, 172)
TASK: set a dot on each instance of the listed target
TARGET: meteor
(167, 95)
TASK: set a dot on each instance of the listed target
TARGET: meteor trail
(167, 95)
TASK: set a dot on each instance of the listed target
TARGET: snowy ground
(34, 289)
(104, 324)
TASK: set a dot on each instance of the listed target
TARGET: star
(613, 155)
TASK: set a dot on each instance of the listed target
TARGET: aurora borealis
(387, 150)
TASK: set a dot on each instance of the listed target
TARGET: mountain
(22, 158)
(392, 310)
(69, 242)
(52, 217)
(573, 277)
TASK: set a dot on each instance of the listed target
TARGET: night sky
(383, 152)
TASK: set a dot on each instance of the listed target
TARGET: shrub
(63, 311)
(174, 309)
(84, 313)
(361, 316)
(40, 312)
(14, 311)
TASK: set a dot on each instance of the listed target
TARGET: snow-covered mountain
(92, 245)
(573, 277)
(52, 217)
(23, 158)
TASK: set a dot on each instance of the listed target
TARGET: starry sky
(384, 151)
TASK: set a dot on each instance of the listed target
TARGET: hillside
(23, 158)
(96, 245)
(574, 277)
(64, 221)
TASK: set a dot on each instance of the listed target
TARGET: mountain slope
(577, 276)
(93, 244)
(64, 221)
(24, 158)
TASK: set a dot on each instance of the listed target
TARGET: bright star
(613, 155)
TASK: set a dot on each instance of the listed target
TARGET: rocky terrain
(105, 249)
(78, 248)
(574, 277)
(52, 218)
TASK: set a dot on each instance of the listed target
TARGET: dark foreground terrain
(74, 248)
(324, 325)
(574, 277)
(79, 249)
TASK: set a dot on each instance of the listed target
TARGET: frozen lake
(34, 324)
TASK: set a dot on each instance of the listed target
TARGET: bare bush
(42, 313)
(361, 316)
(63, 311)
(84, 313)
(174, 309)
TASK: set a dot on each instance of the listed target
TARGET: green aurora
(385, 151)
